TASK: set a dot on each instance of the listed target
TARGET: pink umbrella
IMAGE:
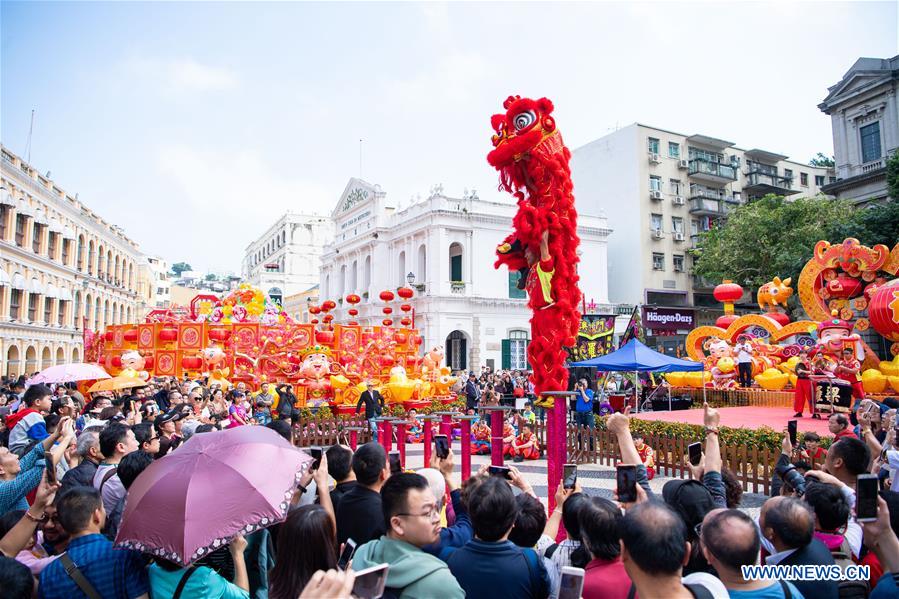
(214, 487)
(69, 373)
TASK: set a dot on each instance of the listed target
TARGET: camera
(792, 477)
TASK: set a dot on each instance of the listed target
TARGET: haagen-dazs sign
(667, 319)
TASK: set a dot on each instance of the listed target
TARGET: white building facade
(286, 260)
(62, 268)
(660, 190)
(445, 247)
(864, 113)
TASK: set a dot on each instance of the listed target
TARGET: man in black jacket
(88, 448)
(340, 461)
(472, 392)
(374, 405)
(788, 526)
(359, 515)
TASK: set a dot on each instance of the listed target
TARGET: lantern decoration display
(328, 318)
(405, 293)
(387, 322)
(353, 312)
(387, 310)
(386, 296)
(328, 305)
(405, 321)
(353, 299)
(406, 307)
(727, 293)
(883, 311)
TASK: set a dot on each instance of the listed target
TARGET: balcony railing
(705, 193)
(709, 207)
(873, 166)
(764, 183)
(712, 170)
(457, 287)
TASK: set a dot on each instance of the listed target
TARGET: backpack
(848, 589)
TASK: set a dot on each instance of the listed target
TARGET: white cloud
(190, 75)
(179, 76)
(226, 199)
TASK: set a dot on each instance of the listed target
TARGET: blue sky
(195, 125)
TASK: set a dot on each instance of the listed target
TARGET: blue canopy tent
(636, 357)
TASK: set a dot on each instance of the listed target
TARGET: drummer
(848, 368)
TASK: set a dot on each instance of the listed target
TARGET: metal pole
(426, 423)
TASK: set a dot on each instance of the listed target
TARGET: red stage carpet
(746, 417)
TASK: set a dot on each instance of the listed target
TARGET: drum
(831, 395)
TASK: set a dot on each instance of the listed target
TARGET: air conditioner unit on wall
(683, 163)
(658, 234)
(678, 201)
(654, 158)
(678, 236)
(655, 194)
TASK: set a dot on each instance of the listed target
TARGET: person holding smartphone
(583, 409)
(413, 521)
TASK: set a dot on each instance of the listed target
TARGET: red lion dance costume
(533, 164)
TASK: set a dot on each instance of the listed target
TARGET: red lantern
(387, 322)
(325, 337)
(167, 334)
(727, 293)
(314, 310)
(883, 310)
(108, 336)
(117, 361)
(386, 360)
(778, 317)
(353, 299)
(386, 296)
(399, 338)
(387, 310)
(406, 308)
(131, 335)
(406, 321)
(352, 311)
(219, 334)
(844, 287)
(328, 318)
(191, 363)
(314, 321)
(328, 305)
(405, 292)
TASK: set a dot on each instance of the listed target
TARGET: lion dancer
(532, 161)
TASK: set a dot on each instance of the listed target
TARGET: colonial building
(660, 190)
(286, 259)
(444, 247)
(864, 114)
(62, 268)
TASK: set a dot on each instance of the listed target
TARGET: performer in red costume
(525, 446)
(533, 163)
(803, 390)
(848, 368)
(480, 443)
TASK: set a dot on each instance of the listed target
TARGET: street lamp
(410, 278)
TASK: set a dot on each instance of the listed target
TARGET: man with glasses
(413, 521)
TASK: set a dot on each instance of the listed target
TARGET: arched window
(90, 257)
(421, 275)
(354, 274)
(455, 258)
(401, 269)
(60, 356)
(342, 284)
(366, 274)
(76, 313)
(79, 259)
(88, 312)
(101, 261)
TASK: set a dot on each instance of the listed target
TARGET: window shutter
(507, 354)
(514, 291)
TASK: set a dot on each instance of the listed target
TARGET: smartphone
(370, 582)
(50, 469)
(694, 450)
(627, 483)
(395, 465)
(571, 585)
(316, 453)
(441, 446)
(791, 430)
(346, 556)
(866, 497)
(503, 471)
(569, 476)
